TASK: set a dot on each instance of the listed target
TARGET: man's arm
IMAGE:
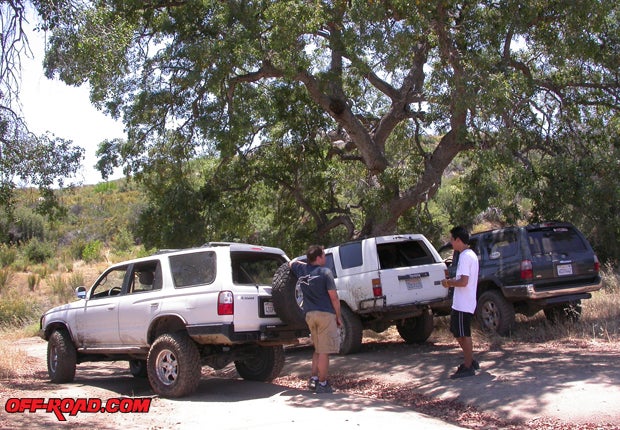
(461, 281)
(333, 295)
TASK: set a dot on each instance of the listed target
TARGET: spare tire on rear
(287, 297)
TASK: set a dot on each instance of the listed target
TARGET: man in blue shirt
(322, 308)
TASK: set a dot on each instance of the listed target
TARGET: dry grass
(13, 363)
(599, 322)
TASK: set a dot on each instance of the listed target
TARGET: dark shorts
(460, 323)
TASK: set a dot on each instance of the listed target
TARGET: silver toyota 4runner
(381, 282)
(172, 312)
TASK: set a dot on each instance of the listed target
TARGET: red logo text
(61, 407)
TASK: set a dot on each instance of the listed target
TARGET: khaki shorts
(324, 332)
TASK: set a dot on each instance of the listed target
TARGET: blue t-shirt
(315, 281)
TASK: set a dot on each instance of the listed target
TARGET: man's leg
(322, 365)
(315, 364)
(468, 350)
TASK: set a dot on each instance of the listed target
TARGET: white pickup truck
(381, 281)
(172, 312)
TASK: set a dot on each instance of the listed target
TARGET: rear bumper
(377, 307)
(226, 334)
(532, 292)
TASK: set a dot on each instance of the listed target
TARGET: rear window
(197, 268)
(403, 254)
(558, 240)
(253, 268)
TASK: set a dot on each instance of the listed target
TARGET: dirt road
(575, 386)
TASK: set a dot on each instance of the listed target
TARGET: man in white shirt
(465, 284)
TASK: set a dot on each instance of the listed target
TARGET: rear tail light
(377, 290)
(597, 264)
(527, 272)
(225, 303)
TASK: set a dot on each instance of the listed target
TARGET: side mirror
(80, 292)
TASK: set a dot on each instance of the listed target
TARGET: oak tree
(350, 110)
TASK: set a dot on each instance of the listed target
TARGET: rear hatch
(410, 270)
(252, 274)
(560, 255)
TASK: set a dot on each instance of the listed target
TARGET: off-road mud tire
(287, 297)
(138, 368)
(174, 365)
(351, 331)
(494, 313)
(61, 357)
(417, 329)
(265, 366)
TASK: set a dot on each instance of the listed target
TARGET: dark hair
(460, 232)
(314, 252)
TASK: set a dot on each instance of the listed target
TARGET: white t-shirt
(464, 298)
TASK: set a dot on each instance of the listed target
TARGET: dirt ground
(575, 386)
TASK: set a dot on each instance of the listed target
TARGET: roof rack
(221, 243)
(164, 251)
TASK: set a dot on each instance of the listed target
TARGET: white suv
(169, 313)
(381, 281)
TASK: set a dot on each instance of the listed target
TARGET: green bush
(105, 187)
(92, 251)
(123, 241)
(76, 248)
(8, 255)
(37, 251)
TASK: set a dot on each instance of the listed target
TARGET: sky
(65, 111)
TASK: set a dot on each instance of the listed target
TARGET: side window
(197, 268)
(109, 284)
(146, 277)
(351, 255)
(502, 245)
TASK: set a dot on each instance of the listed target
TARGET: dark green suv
(547, 266)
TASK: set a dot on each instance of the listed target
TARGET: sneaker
(312, 383)
(463, 372)
(475, 365)
(324, 389)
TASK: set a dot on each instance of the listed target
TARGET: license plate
(268, 308)
(564, 269)
(413, 283)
